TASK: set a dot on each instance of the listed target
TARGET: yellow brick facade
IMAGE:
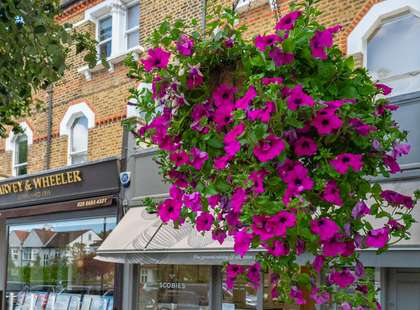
(107, 92)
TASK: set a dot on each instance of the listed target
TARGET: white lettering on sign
(173, 285)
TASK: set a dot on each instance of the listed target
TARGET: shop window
(392, 53)
(20, 166)
(241, 297)
(132, 26)
(79, 141)
(59, 274)
(104, 36)
(174, 287)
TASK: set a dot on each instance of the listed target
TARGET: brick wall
(107, 92)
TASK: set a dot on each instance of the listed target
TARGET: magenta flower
(170, 209)
(204, 221)
(397, 199)
(234, 270)
(242, 242)
(267, 227)
(261, 42)
(287, 22)
(327, 122)
(269, 148)
(400, 149)
(278, 248)
(264, 115)
(257, 177)
(234, 133)
(332, 194)
(221, 163)
(380, 110)
(335, 104)
(244, 102)
(323, 40)
(297, 181)
(157, 59)
(179, 158)
(361, 128)
(213, 200)
(280, 58)
(325, 228)
(386, 90)
(195, 78)
(297, 98)
(360, 209)
(318, 297)
(224, 95)
(238, 198)
(193, 201)
(333, 247)
(185, 45)
(274, 80)
(377, 238)
(297, 295)
(305, 146)
(391, 163)
(254, 275)
(343, 278)
(318, 263)
(223, 115)
(232, 148)
(229, 42)
(198, 158)
(159, 88)
(285, 218)
(343, 162)
(219, 236)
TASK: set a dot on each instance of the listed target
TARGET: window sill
(252, 5)
(112, 61)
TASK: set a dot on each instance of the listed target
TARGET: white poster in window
(228, 306)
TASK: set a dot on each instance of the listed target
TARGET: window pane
(79, 135)
(241, 297)
(173, 287)
(22, 170)
(394, 48)
(21, 149)
(133, 16)
(105, 28)
(105, 49)
(132, 39)
(52, 266)
(78, 158)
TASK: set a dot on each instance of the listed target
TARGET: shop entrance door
(404, 289)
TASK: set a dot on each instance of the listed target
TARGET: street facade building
(60, 200)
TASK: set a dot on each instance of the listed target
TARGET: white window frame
(11, 144)
(133, 29)
(106, 40)
(16, 165)
(243, 5)
(71, 153)
(74, 112)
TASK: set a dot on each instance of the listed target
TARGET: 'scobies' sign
(43, 182)
(90, 180)
(173, 285)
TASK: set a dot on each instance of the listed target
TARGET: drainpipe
(203, 16)
(50, 91)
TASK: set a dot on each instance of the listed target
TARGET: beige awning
(142, 238)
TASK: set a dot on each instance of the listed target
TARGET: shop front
(51, 225)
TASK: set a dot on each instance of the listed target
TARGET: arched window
(393, 53)
(20, 162)
(79, 140)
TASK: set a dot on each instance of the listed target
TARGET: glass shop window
(173, 287)
(241, 297)
(54, 267)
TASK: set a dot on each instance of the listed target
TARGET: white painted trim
(133, 111)
(357, 40)
(251, 4)
(74, 111)
(10, 140)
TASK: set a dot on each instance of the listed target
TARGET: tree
(33, 49)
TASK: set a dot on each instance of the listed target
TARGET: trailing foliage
(271, 142)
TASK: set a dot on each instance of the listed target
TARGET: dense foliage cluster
(33, 50)
(271, 142)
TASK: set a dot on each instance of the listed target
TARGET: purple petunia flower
(223, 115)
(238, 198)
(297, 295)
(326, 121)
(273, 80)
(195, 78)
(391, 163)
(318, 297)
(170, 209)
(280, 58)
(377, 238)
(261, 42)
(278, 248)
(269, 148)
(244, 102)
(297, 98)
(359, 210)
(288, 21)
(397, 199)
(386, 90)
(331, 193)
(179, 158)
(322, 40)
(325, 228)
(264, 115)
(361, 128)
(343, 278)
(185, 45)
(193, 201)
(242, 241)
(198, 158)
(254, 275)
(204, 221)
(257, 177)
(224, 94)
(157, 59)
(305, 146)
(343, 162)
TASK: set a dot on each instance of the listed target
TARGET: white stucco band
(10, 141)
(73, 112)
(357, 40)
